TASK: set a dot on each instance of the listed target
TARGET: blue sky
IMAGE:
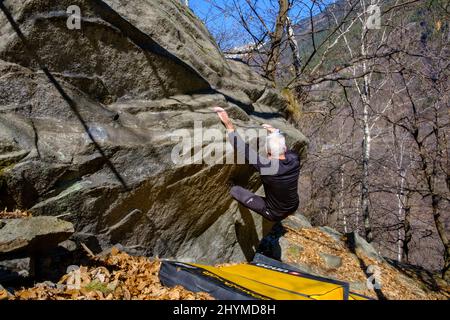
(223, 24)
(202, 7)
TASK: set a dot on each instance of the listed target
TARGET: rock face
(140, 73)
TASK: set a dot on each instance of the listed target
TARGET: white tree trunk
(365, 174)
(365, 97)
(401, 196)
(341, 201)
(297, 62)
(401, 199)
(357, 219)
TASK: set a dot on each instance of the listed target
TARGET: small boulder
(360, 246)
(286, 249)
(336, 235)
(30, 236)
(68, 245)
(358, 286)
(332, 262)
(16, 269)
(296, 221)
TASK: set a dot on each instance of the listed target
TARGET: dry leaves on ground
(121, 277)
(16, 214)
(4, 294)
(395, 285)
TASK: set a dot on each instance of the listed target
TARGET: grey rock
(69, 245)
(12, 157)
(296, 221)
(332, 262)
(362, 246)
(152, 73)
(288, 249)
(336, 235)
(136, 82)
(22, 265)
(16, 269)
(33, 235)
(358, 286)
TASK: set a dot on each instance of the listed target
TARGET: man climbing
(280, 187)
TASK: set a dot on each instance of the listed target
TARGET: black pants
(254, 202)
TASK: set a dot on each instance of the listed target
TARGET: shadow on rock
(246, 234)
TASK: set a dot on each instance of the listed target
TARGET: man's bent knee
(235, 192)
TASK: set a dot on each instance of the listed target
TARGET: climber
(280, 187)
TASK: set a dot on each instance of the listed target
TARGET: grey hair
(276, 144)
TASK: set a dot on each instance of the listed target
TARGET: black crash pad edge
(196, 279)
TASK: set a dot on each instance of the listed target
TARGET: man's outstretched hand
(269, 128)
(223, 116)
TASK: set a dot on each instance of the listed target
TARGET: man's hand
(223, 115)
(268, 127)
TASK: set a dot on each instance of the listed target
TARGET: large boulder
(140, 73)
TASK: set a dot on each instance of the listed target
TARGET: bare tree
(373, 106)
(276, 38)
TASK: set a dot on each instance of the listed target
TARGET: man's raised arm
(239, 144)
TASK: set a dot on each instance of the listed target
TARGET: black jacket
(279, 177)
